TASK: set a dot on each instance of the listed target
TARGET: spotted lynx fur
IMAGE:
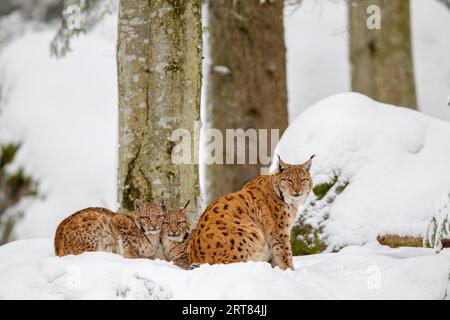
(254, 223)
(134, 235)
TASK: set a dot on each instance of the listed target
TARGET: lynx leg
(126, 233)
(182, 262)
(281, 252)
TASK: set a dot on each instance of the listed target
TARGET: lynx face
(150, 215)
(293, 182)
(176, 225)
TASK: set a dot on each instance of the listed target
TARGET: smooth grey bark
(247, 81)
(382, 60)
(159, 73)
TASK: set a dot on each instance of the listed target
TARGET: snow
(29, 270)
(430, 52)
(65, 111)
(439, 226)
(395, 160)
(65, 114)
(317, 54)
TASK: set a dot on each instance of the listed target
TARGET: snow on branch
(438, 231)
(79, 17)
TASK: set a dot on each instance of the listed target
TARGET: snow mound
(391, 163)
(30, 270)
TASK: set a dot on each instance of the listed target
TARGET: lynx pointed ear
(161, 202)
(307, 164)
(281, 164)
(138, 205)
(186, 205)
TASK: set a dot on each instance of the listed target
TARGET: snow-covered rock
(318, 66)
(394, 164)
(30, 270)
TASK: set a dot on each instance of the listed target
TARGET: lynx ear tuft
(307, 164)
(138, 205)
(161, 202)
(281, 165)
(186, 205)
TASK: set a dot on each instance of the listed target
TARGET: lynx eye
(289, 181)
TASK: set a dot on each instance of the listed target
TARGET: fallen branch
(395, 241)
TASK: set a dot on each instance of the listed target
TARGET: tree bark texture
(247, 79)
(381, 59)
(159, 56)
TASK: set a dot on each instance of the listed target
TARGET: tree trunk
(381, 59)
(159, 73)
(247, 80)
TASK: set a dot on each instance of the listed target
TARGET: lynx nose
(296, 194)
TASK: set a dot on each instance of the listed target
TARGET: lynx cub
(174, 236)
(254, 223)
(133, 235)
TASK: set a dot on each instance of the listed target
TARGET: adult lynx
(254, 223)
(133, 235)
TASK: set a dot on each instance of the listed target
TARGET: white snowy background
(65, 114)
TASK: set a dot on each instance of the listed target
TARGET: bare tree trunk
(247, 82)
(381, 59)
(159, 72)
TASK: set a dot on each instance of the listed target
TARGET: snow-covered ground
(30, 270)
(395, 161)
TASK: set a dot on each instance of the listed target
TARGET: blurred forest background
(230, 64)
